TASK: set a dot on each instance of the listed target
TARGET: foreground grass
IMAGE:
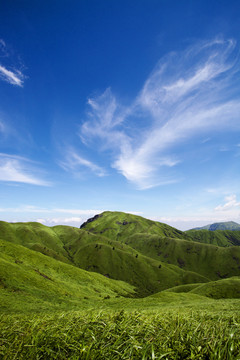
(168, 333)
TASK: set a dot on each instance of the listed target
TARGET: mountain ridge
(227, 225)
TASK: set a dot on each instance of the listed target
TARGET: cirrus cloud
(14, 77)
(8, 73)
(17, 169)
(187, 94)
(75, 163)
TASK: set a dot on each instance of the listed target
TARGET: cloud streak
(76, 163)
(187, 94)
(12, 77)
(230, 204)
(72, 221)
(17, 169)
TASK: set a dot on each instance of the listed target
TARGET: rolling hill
(98, 253)
(217, 237)
(166, 244)
(33, 280)
(221, 289)
(146, 256)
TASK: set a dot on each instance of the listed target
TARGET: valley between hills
(115, 263)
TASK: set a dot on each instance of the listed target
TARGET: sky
(120, 105)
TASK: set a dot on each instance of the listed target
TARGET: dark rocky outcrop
(90, 220)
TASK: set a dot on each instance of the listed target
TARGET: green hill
(36, 236)
(168, 245)
(118, 226)
(97, 253)
(217, 237)
(227, 225)
(74, 293)
(148, 255)
(221, 289)
(32, 280)
(212, 262)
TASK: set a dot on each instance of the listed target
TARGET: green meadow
(120, 287)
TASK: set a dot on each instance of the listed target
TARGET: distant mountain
(228, 225)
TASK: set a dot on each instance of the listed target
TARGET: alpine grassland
(120, 287)
(153, 330)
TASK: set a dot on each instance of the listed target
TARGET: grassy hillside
(221, 289)
(97, 253)
(32, 280)
(54, 309)
(218, 237)
(147, 274)
(118, 226)
(213, 262)
(150, 240)
(148, 255)
(168, 245)
(35, 236)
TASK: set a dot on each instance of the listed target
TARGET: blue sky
(120, 105)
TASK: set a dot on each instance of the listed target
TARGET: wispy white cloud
(187, 94)
(72, 221)
(75, 163)
(230, 203)
(17, 169)
(12, 77)
(81, 212)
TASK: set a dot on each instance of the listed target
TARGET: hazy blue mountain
(228, 225)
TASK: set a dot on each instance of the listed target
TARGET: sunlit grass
(122, 334)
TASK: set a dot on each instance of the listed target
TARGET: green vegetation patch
(121, 335)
